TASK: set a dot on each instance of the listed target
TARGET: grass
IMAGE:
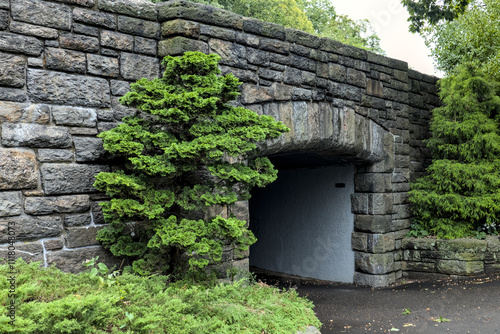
(51, 301)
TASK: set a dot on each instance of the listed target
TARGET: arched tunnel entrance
(303, 221)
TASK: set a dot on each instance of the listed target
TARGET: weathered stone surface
(493, 243)
(12, 69)
(178, 45)
(42, 13)
(120, 111)
(373, 223)
(33, 30)
(55, 155)
(85, 3)
(202, 13)
(79, 42)
(137, 8)
(69, 178)
(13, 94)
(94, 18)
(83, 131)
(145, 45)
(71, 260)
(89, 149)
(419, 243)
(180, 27)
(28, 251)
(85, 30)
(117, 40)
(374, 263)
(65, 60)
(134, 67)
(4, 19)
(11, 203)
(119, 88)
(372, 203)
(30, 228)
(81, 236)
(69, 89)
(62, 204)
(105, 66)
(255, 94)
(337, 72)
(23, 44)
(231, 54)
(356, 78)
(462, 245)
(74, 116)
(455, 267)
(77, 220)
(35, 135)
(275, 46)
(138, 27)
(19, 169)
(374, 280)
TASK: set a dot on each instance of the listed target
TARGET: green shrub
(187, 150)
(460, 196)
(49, 301)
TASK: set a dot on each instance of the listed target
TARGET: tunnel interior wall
(303, 223)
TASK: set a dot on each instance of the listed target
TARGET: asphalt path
(438, 306)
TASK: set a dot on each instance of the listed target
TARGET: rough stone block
(381, 243)
(55, 155)
(79, 42)
(29, 228)
(294, 76)
(231, 54)
(303, 63)
(262, 28)
(71, 260)
(104, 66)
(178, 45)
(62, 204)
(23, 44)
(85, 30)
(12, 70)
(374, 263)
(372, 182)
(67, 89)
(337, 72)
(11, 203)
(275, 46)
(97, 215)
(493, 243)
(145, 45)
(12, 94)
(247, 39)
(240, 210)
(356, 78)
(19, 169)
(89, 149)
(65, 60)
(302, 38)
(456, 267)
(81, 236)
(372, 203)
(462, 245)
(77, 220)
(180, 27)
(35, 135)
(117, 40)
(74, 116)
(94, 18)
(42, 13)
(137, 8)
(119, 88)
(134, 67)
(375, 281)
(138, 27)
(373, 223)
(198, 12)
(69, 178)
(359, 241)
(426, 267)
(120, 111)
(419, 243)
(220, 33)
(255, 94)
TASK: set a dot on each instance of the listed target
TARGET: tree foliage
(188, 150)
(473, 38)
(313, 16)
(425, 13)
(461, 193)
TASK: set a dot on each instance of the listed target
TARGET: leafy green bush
(187, 150)
(460, 196)
(50, 301)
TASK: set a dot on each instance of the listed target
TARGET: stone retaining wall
(65, 63)
(428, 257)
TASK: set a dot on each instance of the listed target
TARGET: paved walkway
(446, 306)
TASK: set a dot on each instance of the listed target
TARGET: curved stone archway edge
(64, 65)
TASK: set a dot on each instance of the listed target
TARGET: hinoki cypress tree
(460, 196)
(187, 150)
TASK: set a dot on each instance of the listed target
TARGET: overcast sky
(388, 18)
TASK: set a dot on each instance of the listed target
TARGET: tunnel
(303, 221)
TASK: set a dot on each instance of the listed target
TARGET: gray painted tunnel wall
(303, 223)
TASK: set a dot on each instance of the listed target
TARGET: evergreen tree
(187, 150)
(461, 193)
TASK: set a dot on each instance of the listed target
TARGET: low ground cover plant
(98, 301)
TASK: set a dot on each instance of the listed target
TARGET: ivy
(186, 150)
